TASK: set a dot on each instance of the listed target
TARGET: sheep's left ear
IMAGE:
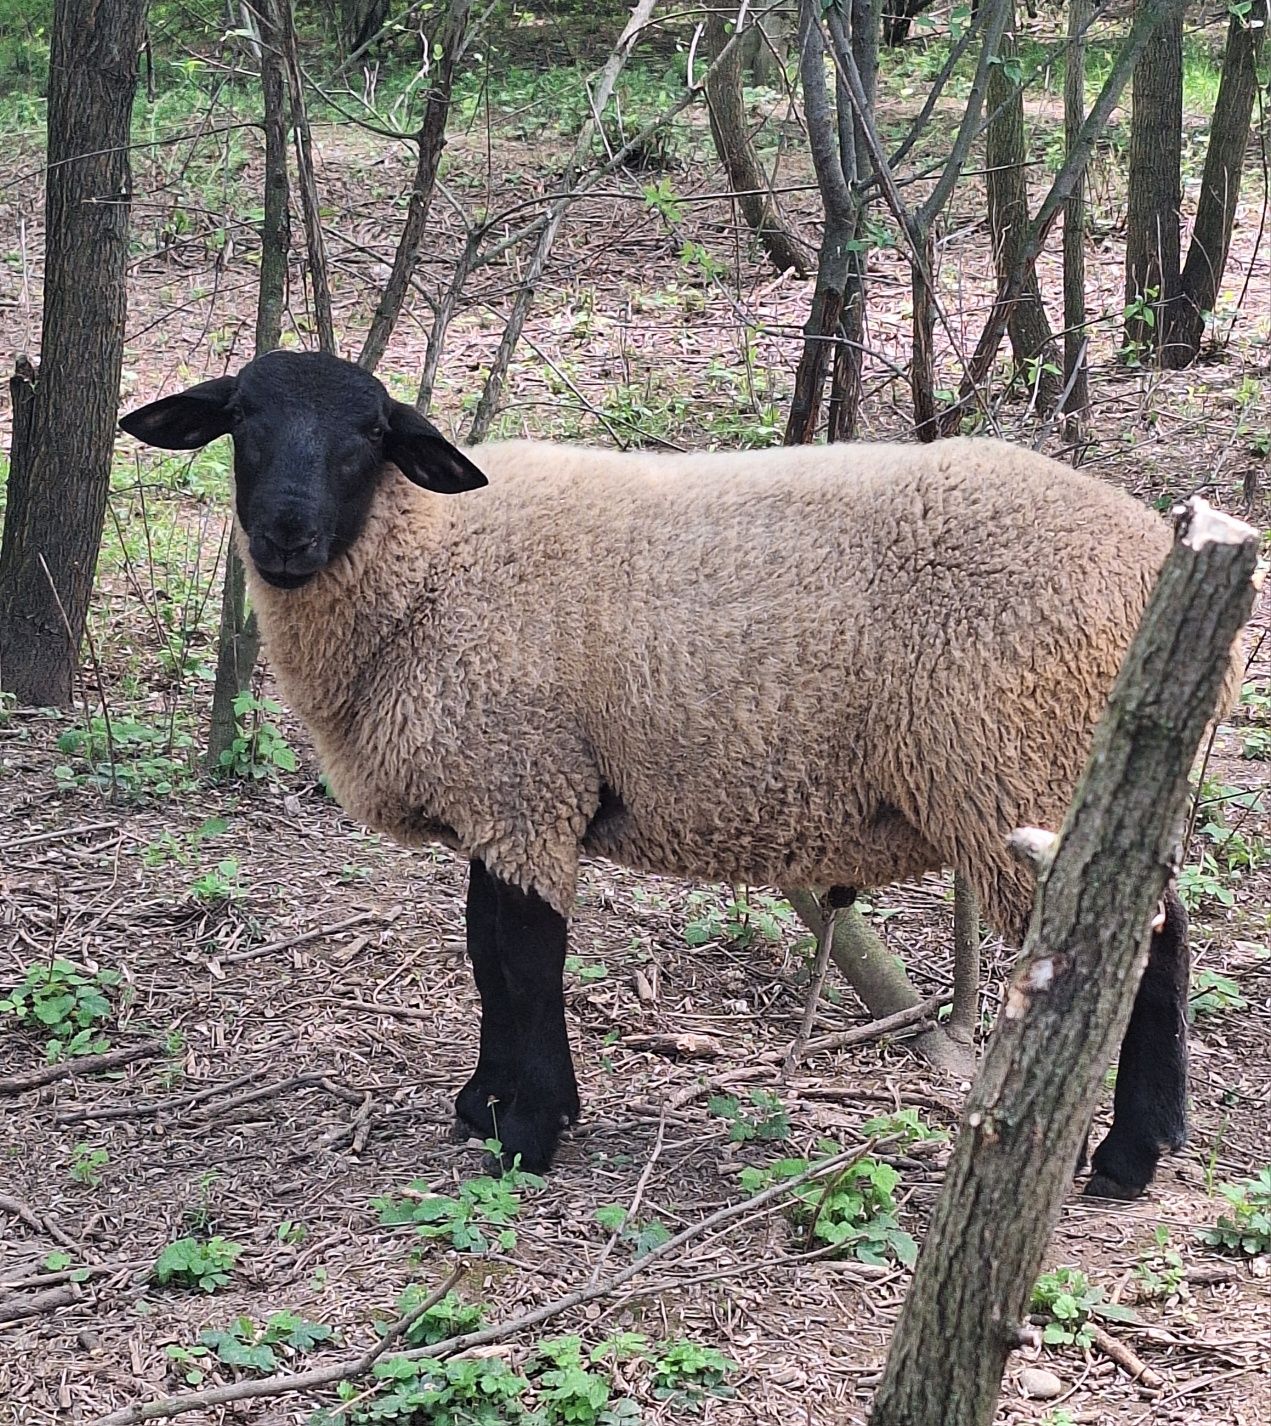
(186, 421)
(422, 454)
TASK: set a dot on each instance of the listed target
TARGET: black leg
(1150, 1107)
(532, 954)
(496, 1073)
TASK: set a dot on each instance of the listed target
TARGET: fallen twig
(363, 918)
(15, 1309)
(77, 1065)
(1125, 1357)
(169, 1406)
(15, 1206)
(57, 835)
(876, 1029)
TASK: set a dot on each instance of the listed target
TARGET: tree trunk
(746, 177)
(61, 474)
(1076, 365)
(878, 977)
(1006, 153)
(1155, 195)
(964, 1015)
(1220, 186)
(238, 643)
(922, 363)
(431, 140)
(1071, 994)
(898, 16)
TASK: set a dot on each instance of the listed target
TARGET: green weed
(1247, 1228)
(472, 1221)
(68, 1002)
(193, 1262)
(87, 1164)
(250, 1349)
(765, 1119)
(258, 749)
(1068, 1302)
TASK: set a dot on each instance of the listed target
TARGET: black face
(312, 435)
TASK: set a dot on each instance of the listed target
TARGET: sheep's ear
(187, 420)
(422, 454)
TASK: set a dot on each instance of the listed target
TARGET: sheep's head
(312, 435)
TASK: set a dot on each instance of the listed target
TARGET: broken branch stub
(1072, 991)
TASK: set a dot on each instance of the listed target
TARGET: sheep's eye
(376, 433)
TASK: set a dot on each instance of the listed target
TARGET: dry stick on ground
(1125, 1357)
(286, 943)
(77, 1065)
(880, 981)
(824, 945)
(15, 1206)
(169, 1406)
(1071, 995)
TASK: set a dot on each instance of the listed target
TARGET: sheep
(833, 666)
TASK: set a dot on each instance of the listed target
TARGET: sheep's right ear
(187, 420)
(423, 455)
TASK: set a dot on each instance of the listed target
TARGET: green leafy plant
(194, 1262)
(467, 1219)
(219, 883)
(854, 1210)
(1213, 993)
(765, 1119)
(586, 971)
(463, 1391)
(1160, 1273)
(128, 757)
(182, 849)
(258, 750)
(642, 1238)
(685, 1373)
(87, 1164)
(65, 1000)
(1247, 1228)
(450, 1317)
(740, 922)
(905, 1124)
(1067, 1302)
(248, 1348)
(569, 1392)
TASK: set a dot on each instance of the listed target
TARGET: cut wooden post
(1070, 997)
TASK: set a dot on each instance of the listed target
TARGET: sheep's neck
(323, 637)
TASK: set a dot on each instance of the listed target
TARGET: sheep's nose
(286, 543)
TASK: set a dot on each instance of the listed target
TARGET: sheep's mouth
(283, 579)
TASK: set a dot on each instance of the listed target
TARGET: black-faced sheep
(842, 665)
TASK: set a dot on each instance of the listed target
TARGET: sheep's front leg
(517, 945)
(1149, 1114)
(490, 1091)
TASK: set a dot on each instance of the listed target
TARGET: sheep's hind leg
(492, 1087)
(1150, 1106)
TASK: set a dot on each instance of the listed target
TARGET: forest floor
(301, 985)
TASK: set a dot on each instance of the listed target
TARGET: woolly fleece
(823, 665)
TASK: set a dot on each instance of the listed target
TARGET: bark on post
(238, 643)
(431, 140)
(1152, 218)
(1076, 367)
(746, 176)
(1071, 995)
(61, 471)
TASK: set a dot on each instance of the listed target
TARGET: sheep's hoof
(1099, 1185)
(529, 1139)
(479, 1106)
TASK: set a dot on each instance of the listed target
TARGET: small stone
(1040, 1384)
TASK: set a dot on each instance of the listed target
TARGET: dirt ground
(318, 1023)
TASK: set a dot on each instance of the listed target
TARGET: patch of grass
(1247, 1228)
(1160, 1273)
(67, 1002)
(1068, 1302)
(194, 1262)
(854, 1211)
